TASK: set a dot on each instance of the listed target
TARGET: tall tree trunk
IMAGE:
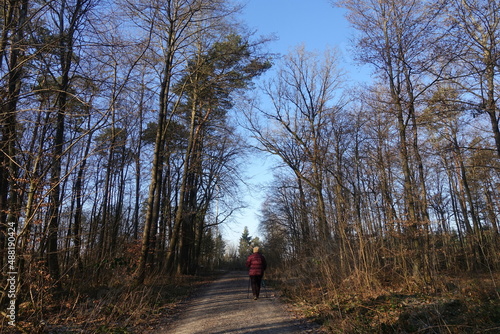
(491, 105)
(15, 18)
(78, 215)
(154, 195)
(180, 217)
(137, 156)
(68, 22)
(154, 190)
(305, 240)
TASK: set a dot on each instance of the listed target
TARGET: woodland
(125, 126)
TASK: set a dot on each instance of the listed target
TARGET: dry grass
(450, 304)
(359, 303)
(113, 308)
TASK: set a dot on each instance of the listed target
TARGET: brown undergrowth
(449, 304)
(116, 307)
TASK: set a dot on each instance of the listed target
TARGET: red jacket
(256, 264)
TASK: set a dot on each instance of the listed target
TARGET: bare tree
(402, 40)
(303, 104)
(476, 26)
(68, 19)
(12, 62)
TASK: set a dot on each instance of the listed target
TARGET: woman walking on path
(256, 264)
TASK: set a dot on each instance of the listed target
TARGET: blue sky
(317, 25)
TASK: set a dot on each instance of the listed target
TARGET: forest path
(226, 307)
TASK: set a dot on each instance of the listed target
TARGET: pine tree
(245, 243)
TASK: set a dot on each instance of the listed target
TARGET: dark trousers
(256, 282)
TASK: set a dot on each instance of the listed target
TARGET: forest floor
(218, 302)
(453, 304)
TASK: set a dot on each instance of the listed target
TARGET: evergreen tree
(245, 243)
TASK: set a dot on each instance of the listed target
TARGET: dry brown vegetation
(460, 303)
(116, 307)
(450, 304)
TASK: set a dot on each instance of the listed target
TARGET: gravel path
(224, 308)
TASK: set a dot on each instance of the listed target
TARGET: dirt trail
(224, 308)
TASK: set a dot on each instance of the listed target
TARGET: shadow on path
(225, 308)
